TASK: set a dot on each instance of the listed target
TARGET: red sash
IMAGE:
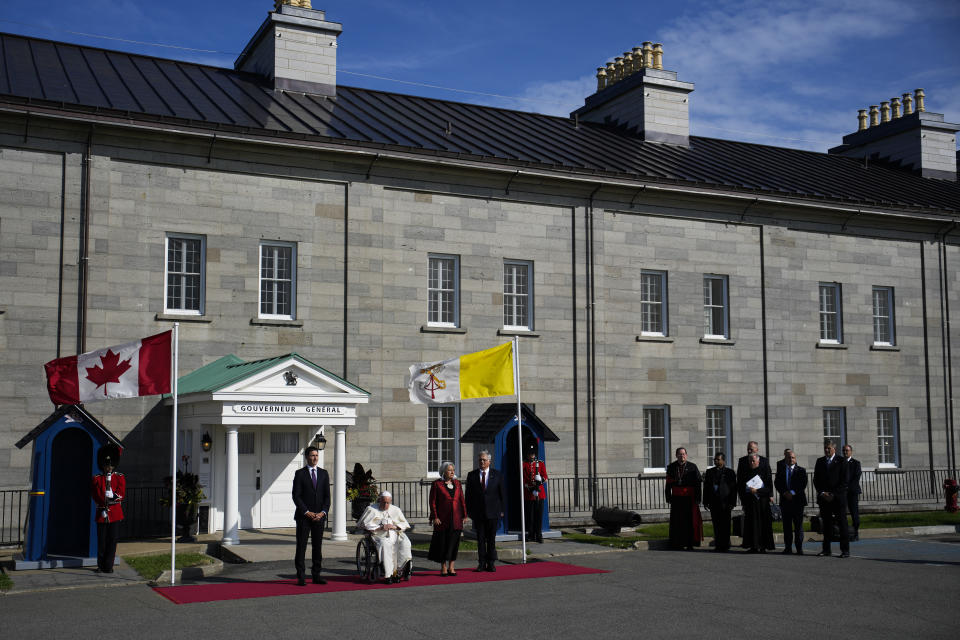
(688, 492)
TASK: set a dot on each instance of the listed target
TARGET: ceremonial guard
(683, 495)
(534, 493)
(107, 491)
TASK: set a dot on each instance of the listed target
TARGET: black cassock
(683, 494)
(757, 523)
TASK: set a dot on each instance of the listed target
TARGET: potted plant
(361, 490)
(189, 496)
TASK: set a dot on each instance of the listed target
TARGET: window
(284, 442)
(653, 303)
(278, 272)
(883, 333)
(246, 441)
(443, 291)
(442, 432)
(835, 425)
(186, 256)
(718, 433)
(831, 317)
(518, 295)
(656, 437)
(715, 314)
(888, 438)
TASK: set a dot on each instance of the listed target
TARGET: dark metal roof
(497, 416)
(83, 79)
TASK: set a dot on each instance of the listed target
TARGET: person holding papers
(757, 527)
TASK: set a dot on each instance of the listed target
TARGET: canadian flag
(140, 368)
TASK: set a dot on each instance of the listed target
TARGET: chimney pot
(618, 66)
(658, 56)
(601, 79)
(884, 112)
(648, 55)
(862, 120)
(907, 104)
(637, 59)
(895, 103)
(874, 115)
(627, 63)
(920, 95)
(611, 74)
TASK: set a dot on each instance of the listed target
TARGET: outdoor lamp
(206, 441)
(320, 442)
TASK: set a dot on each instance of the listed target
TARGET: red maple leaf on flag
(112, 369)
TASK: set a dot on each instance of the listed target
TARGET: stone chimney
(636, 94)
(917, 141)
(295, 49)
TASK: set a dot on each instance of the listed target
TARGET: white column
(340, 484)
(231, 504)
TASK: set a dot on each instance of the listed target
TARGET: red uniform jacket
(531, 469)
(114, 512)
(450, 511)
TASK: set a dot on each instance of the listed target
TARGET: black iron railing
(145, 517)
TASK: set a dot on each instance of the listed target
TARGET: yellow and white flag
(484, 374)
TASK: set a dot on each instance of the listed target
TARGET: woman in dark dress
(447, 513)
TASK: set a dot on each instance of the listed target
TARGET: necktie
(483, 480)
(313, 476)
(789, 472)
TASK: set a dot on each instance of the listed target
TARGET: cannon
(614, 518)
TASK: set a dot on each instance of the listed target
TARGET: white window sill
(429, 328)
(523, 333)
(716, 340)
(653, 472)
(884, 347)
(185, 317)
(831, 345)
(886, 466)
(276, 322)
(660, 338)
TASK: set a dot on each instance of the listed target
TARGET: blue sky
(781, 73)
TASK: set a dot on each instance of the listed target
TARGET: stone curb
(188, 573)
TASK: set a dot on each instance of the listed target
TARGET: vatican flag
(484, 374)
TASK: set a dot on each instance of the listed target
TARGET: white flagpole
(516, 386)
(173, 457)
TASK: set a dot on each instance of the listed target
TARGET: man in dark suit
(311, 495)
(791, 484)
(485, 500)
(720, 497)
(830, 481)
(853, 489)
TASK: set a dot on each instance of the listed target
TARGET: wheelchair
(369, 566)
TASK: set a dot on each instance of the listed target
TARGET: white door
(249, 483)
(282, 455)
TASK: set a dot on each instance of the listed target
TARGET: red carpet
(238, 590)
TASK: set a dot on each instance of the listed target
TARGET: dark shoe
(480, 568)
(301, 581)
(824, 553)
(799, 552)
(452, 574)
(752, 551)
(443, 575)
(539, 540)
(319, 580)
(786, 551)
(491, 568)
(845, 554)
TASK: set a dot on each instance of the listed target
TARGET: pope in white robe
(387, 524)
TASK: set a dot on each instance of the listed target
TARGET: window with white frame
(883, 326)
(443, 426)
(518, 295)
(443, 291)
(656, 437)
(718, 433)
(715, 307)
(278, 280)
(653, 303)
(186, 257)
(835, 425)
(831, 315)
(888, 437)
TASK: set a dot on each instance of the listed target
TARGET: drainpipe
(573, 304)
(83, 262)
(63, 221)
(926, 366)
(763, 331)
(591, 354)
(346, 282)
(948, 353)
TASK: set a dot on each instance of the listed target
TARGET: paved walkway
(276, 545)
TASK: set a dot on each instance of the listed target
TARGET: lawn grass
(661, 530)
(5, 582)
(150, 567)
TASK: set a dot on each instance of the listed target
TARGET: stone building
(667, 289)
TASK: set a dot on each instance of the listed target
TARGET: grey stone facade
(363, 243)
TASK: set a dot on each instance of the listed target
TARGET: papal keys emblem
(432, 383)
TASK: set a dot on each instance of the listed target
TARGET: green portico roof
(231, 369)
